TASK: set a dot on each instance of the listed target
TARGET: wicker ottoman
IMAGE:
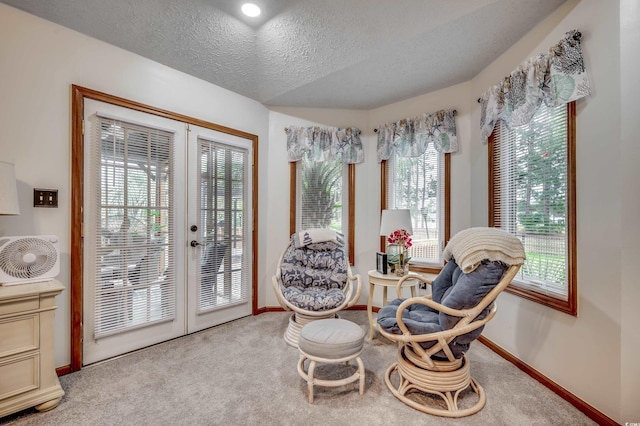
(330, 341)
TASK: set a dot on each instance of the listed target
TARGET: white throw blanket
(473, 245)
(317, 235)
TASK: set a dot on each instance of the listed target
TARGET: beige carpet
(243, 373)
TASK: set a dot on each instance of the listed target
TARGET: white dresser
(27, 372)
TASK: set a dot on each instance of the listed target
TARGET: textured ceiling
(355, 54)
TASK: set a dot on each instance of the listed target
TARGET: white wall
(630, 176)
(581, 354)
(39, 61)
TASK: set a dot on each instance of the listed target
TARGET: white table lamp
(393, 220)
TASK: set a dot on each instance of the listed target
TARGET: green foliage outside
(541, 193)
(541, 177)
(416, 188)
(547, 267)
(322, 189)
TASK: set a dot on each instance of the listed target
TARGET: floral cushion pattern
(314, 299)
(314, 279)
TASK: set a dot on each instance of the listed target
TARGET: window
(420, 184)
(532, 195)
(322, 197)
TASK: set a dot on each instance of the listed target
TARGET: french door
(219, 228)
(167, 238)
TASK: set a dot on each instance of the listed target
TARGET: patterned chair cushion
(314, 298)
(314, 276)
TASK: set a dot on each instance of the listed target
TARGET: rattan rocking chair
(433, 335)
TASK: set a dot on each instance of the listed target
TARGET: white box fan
(29, 259)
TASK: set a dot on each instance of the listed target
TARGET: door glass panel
(135, 282)
(223, 225)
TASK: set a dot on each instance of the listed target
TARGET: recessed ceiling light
(251, 10)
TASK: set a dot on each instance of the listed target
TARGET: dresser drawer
(19, 334)
(19, 374)
(15, 306)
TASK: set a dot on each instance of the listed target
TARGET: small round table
(384, 280)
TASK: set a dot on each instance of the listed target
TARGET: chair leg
(361, 372)
(309, 375)
(312, 367)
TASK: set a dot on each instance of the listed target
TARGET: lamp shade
(8, 189)
(395, 219)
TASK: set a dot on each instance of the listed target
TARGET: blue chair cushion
(464, 291)
(451, 288)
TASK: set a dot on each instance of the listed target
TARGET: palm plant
(321, 182)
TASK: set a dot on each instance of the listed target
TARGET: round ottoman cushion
(332, 338)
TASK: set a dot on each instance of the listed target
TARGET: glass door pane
(221, 257)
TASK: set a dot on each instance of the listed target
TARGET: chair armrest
(410, 276)
(466, 324)
(276, 281)
(458, 330)
(470, 313)
(356, 295)
(461, 313)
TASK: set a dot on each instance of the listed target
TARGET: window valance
(410, 137)
(556, 77)
(324, 144)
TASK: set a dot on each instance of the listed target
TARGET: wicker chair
(313, 279)
(209, 266)
(434, 332)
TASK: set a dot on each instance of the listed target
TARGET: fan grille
(28, 258)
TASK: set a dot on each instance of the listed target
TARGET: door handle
(195, 243)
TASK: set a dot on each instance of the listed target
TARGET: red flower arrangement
(400, 237)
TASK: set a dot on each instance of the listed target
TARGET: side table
(386, 281)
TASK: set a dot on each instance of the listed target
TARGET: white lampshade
(8, 189)
(392, 220)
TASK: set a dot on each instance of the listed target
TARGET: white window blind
(135, 277)
(529, 182)
(223, 201)
(322, 196)
(417, 184)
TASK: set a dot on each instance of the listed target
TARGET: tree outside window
(420, 184)
(532, 195)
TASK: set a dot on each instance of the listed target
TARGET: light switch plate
(45, 197)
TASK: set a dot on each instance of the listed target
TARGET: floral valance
(556, 77)
(324, 144)
(410, 137)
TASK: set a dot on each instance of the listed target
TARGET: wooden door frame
(78, 95)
